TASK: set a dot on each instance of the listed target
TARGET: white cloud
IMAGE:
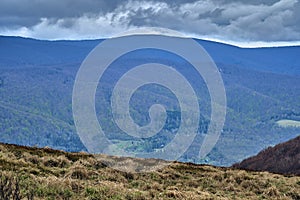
(234, 22)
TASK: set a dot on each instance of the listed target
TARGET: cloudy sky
(232, 21)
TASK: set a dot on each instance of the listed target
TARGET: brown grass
(50, 174)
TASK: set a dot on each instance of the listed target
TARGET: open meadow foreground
(35, 173)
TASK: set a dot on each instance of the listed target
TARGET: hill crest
(283, 158)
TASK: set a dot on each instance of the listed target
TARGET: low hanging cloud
(226, 19)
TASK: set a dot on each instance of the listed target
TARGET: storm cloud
(242, 20)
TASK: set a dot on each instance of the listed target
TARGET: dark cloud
(252, 2)
(28, 12)
(216, 17)
(258, 20)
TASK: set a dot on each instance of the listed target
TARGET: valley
(37, 80)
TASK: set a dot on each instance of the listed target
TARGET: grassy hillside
(33, 173)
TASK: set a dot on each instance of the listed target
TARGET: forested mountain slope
(37, 77)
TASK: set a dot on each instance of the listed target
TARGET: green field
(288, 123)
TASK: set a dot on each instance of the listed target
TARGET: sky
(239, 22)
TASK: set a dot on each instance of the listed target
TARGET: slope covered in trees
(283, 158)
(37, 78)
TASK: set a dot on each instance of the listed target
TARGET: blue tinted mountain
(37, 77)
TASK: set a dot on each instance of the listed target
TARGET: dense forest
(37, 77)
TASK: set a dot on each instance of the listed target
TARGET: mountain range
(37, 77)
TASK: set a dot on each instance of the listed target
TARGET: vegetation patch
(49, 174)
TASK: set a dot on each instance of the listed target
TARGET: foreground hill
(283, 158)
(36, 173)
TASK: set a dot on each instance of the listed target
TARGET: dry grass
(49, 174)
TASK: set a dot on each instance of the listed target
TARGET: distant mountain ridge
(273, 59)
(283, 158)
